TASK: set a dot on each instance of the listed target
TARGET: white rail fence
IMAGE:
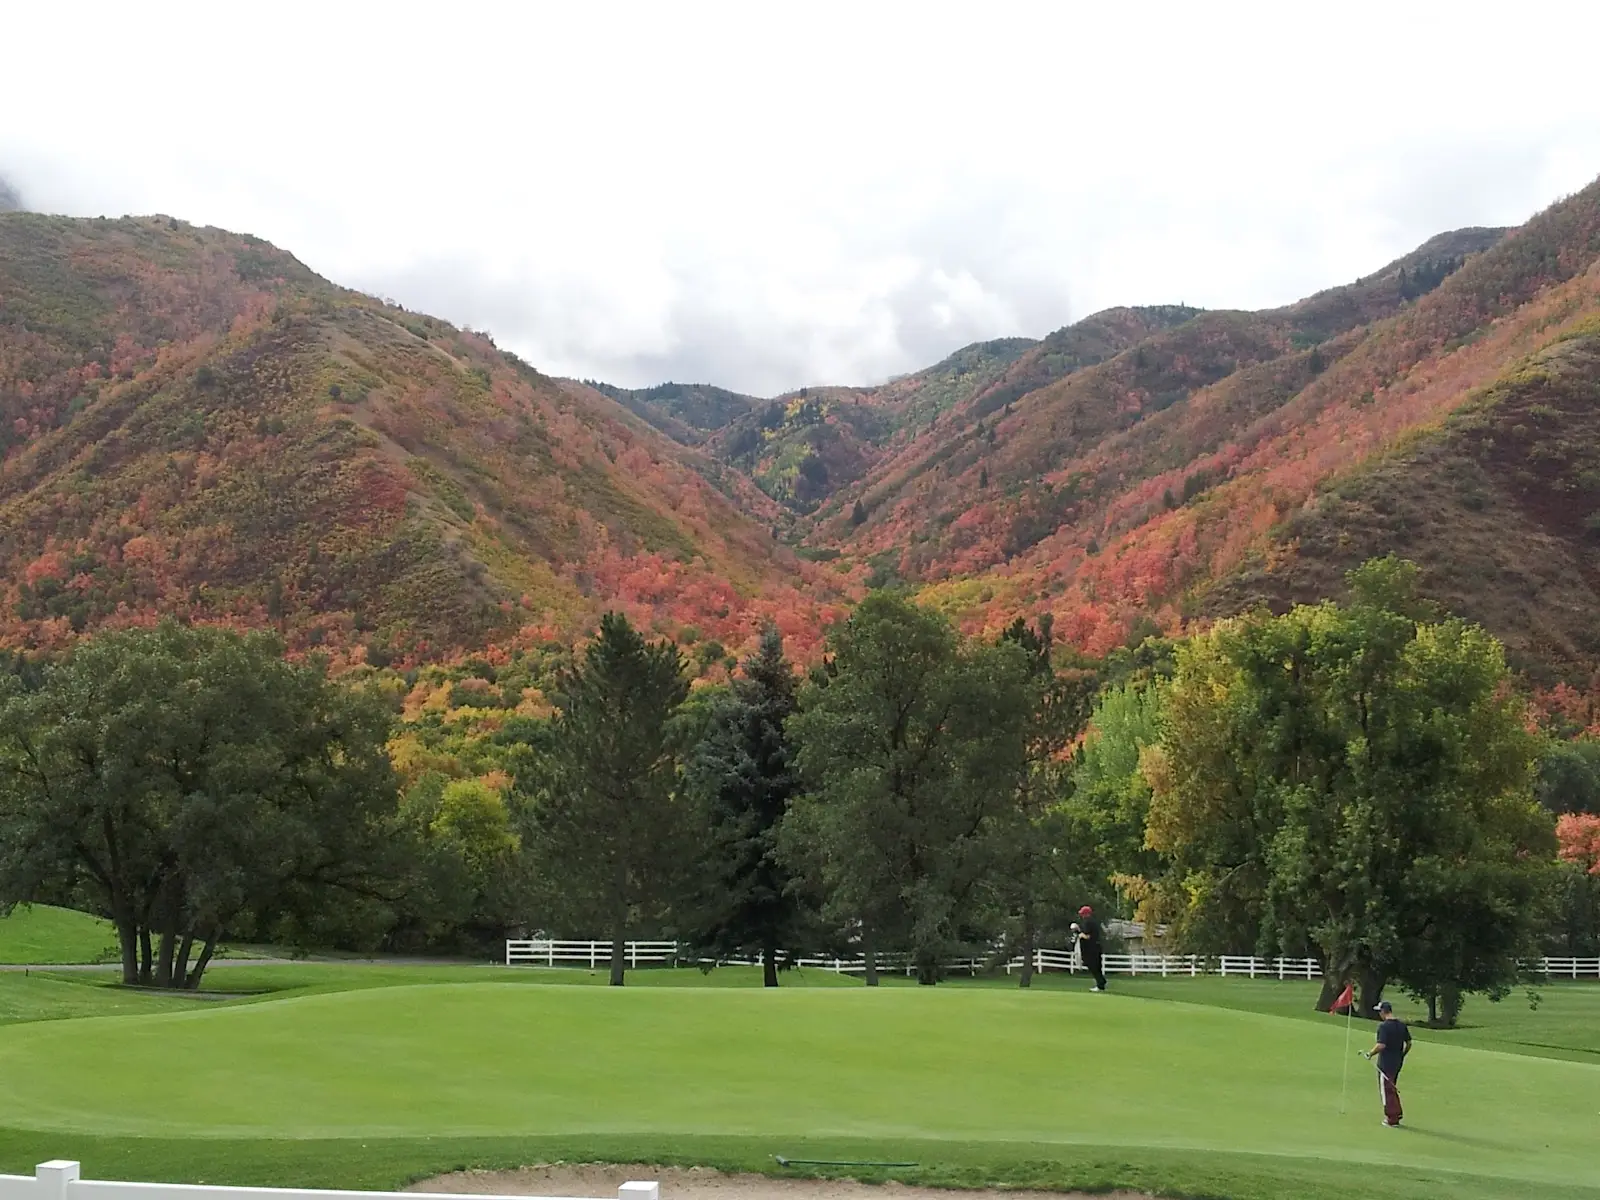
(1570, 968)
(548, 952)
(59, 1180)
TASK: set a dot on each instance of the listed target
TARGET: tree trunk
(1450, 1004)
(128, 936)
(1027, 950)
(146, 977)
(619, 954)
(1331, 987)
(1334, 977)
(180, 966)
(769, 964)
(164, 955)
(1433, 1008)
(170, 906)
(1369, 990)
(927, 969)
(869, 956)
(192, 980)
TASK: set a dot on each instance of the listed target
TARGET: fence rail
(59, 1180)
(555, 952)
(552, 953)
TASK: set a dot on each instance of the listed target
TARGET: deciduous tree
(190, 782)
(911, 746)
(1111, 797)
(1356, 781)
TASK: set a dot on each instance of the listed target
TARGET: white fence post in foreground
(61, 1179)
(55, 1176)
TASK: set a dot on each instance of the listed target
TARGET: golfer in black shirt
(1391, 1048)
(1092, 944)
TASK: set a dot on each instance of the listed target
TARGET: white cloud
(766, 197)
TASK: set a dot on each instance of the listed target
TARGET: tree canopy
(746, 901)
(189, 784)
(607, 825)
(1361, 781)
(1353, 781)
(912, 746)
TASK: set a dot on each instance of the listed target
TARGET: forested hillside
(803, 448)
(194, 423)
(685, 411)
(1499, 504)
(1225, 460)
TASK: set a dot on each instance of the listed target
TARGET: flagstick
(1349, 1014)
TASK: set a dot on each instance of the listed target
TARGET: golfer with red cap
(1391, 1048)
(1091, 943)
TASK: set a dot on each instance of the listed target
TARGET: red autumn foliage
(191, 422)
(1578, 836)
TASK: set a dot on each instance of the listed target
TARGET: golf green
(973, 1065)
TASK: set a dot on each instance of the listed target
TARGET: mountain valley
(193, 422)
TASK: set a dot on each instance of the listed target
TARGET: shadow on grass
(1439, 1135)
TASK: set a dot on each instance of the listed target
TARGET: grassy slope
(1564, 1022)
(973, 1083)
(42, 933)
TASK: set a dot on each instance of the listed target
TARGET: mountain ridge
(196, 423)
(192, 421)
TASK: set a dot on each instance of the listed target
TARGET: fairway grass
(42, 933)
(976, 1084)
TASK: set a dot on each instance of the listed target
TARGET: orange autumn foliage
(1578, 836)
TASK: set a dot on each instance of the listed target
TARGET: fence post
(550, 953)
(591, 955)
(54, 1178)
(633, 960)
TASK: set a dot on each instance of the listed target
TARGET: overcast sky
(766, 196)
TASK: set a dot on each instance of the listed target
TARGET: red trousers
(1389, 1094)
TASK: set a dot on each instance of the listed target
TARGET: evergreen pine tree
(607, 824)
(742, 773)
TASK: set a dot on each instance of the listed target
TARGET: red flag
(1346, 998)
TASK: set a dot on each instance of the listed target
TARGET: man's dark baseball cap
(1385, 1006)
